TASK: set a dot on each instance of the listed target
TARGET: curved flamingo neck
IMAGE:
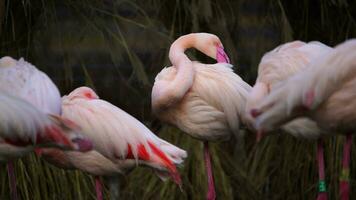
(172, 93)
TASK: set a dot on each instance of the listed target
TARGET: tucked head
(84, 93)
(211, 45)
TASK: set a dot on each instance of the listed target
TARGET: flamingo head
(211, 45)
(7, 61)
(83, 93)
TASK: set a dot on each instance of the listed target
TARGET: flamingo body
(23, 126)
(205, 101)
(277, 66)
(323, 92)
(117, 135)
(211, 109)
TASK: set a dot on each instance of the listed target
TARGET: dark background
(117, 47)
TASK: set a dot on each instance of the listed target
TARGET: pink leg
(98, 188)
(12, 180)
(211, 187)
(322, 194)
(345, 173)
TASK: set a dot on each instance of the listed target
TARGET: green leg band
(322, 186)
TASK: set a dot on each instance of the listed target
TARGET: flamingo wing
(223, 90)
(117, 135)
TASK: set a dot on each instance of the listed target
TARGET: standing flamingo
(325, 92)
(23, 80)
(276, 66)
(205, 101)
(120, 141)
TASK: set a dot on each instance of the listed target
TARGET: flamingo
(325, 93)
(205, 101)
(276, 66)
(21, 79)
(120, 141)
(23, 127)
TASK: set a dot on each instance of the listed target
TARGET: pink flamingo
(23, 127)
(120, 141)
(325, 93)
(205, 101)
(276, 66)
(23, 80)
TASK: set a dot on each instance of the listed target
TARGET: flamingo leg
(12, 180)
(98, 188)
(322, 193)
(211, 195)
(345, 173)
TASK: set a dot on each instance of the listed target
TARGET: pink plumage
(205, 101)
(21, 79)
(23, 127)
(277, 66)
(25, 81)
(118, 136)
(323, 92)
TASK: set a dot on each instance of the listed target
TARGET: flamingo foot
(98, 188)
(345, 173)
(322, 192)
(211, 195)
(12, 180)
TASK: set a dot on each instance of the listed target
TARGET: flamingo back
(287, 60)
(22, 79)
(116, 134)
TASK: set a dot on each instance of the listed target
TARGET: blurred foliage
(118, 46)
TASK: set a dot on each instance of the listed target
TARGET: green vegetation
(117, 47)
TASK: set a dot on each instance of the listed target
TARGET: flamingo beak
(221, 56)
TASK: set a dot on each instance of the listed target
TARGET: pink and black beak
(221, 56)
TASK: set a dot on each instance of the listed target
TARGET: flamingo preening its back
(120, 141)
(277, 66)
(23, 80)
(325, 92)
(206, 101)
